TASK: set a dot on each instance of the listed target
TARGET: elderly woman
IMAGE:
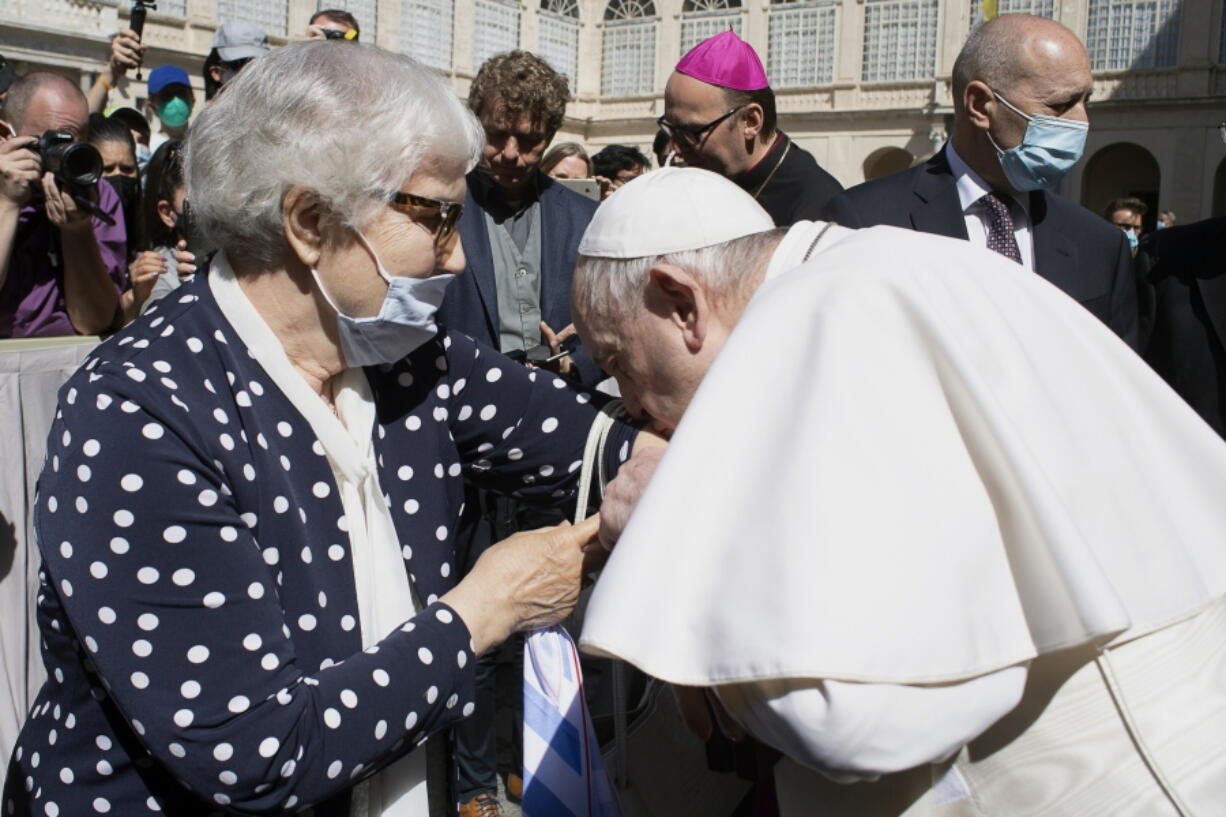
(249, 599)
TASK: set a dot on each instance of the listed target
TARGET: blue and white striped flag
(564, 774)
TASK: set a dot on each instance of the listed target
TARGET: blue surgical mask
(405, 320)
(143, 155)
(1162, 225)
(1132, 239)
(1049, 149)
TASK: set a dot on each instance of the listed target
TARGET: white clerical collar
(971, 186)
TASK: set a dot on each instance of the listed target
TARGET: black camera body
(74, 164)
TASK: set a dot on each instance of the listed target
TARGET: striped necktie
(564, 774)
(1001, 237)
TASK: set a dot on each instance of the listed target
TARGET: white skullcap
(673, 209)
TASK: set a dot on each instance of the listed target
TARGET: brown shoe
(483, 805)
(515, 788)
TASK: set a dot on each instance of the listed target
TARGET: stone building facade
(863, 84)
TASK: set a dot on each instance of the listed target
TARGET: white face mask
(405, 320)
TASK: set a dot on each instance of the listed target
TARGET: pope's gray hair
(349, 121)
(611, 288)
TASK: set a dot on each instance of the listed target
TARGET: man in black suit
(520, 231)
(1186, 343)
(1018, 80)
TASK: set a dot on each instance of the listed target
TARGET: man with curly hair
(520, 232)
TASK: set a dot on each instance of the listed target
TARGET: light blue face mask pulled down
(1133, 241)
(1049, 149)
(405, 320)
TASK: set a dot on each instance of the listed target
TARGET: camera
(74, 164)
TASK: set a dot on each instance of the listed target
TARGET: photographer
(61, 269)
(333, 24)
(235, 44)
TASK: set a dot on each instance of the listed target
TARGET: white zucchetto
(673, 209)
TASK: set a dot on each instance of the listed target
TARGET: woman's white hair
(609, 289)
(351, 122)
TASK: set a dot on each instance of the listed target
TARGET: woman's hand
(526, 582)
(143, 274)
(185, 262)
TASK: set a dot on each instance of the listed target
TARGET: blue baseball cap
(165, 75)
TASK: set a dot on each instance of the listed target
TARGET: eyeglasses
(691, 135)
(437, 217)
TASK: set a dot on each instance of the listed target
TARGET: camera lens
(73, 163)
(82, 164)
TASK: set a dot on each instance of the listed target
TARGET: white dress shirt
(971, 188)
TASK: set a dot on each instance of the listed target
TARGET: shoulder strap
(593, 455)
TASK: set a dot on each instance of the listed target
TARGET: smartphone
(584, 187)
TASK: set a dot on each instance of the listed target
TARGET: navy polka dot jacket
(197, 607)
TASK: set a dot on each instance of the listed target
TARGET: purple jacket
(32, 298)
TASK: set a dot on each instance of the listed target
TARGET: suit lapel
(555, 275)
(939, 211)
(1055, 254)
(476, 242)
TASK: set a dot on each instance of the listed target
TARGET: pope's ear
(302, 220)
(680, 297)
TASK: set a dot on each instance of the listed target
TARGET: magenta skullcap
(727, 61)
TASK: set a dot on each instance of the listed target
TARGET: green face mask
(174, 112)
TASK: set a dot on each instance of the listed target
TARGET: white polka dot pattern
(190, 551)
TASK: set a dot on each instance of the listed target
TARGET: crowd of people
(904, 495)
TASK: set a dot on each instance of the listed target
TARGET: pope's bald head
(1015, 48)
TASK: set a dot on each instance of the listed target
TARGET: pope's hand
(622, 494)
(701, 711)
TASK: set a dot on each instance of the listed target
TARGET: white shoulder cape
(913, 462)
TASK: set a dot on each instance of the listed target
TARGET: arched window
(495, 28)
(1133, 33)
(366, 12)
(267, 14)
(1039, 8)
(629, 61)
(558, 37)
(900, 40)
(701, 19)
(801, 48)
(425, 31)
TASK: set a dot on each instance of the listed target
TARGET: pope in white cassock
(925, 525)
